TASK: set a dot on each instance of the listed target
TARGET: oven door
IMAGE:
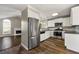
(57, 33)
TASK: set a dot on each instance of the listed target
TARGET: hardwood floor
(49, 46)
(9, 42)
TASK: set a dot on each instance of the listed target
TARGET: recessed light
(54, 14)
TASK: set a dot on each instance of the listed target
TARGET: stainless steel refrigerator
(33, 33)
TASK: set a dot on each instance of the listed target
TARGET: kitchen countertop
(69, 32)
(72, 32)
(65, 31)
(2, 35)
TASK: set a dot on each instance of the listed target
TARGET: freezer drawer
(33, 42)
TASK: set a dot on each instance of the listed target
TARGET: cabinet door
(51, 33)
(75, 15)
(66, 21)
(42, 37)
(51, 23)
(44, 24)
(67, 39)
(47, 34)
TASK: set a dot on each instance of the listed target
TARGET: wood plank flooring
(49, 46)
(8, 43)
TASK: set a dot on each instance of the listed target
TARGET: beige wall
(15, 23)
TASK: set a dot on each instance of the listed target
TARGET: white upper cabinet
(44, 24)
(58, 20)
(66, 22)
(51, 23)
(75, 15)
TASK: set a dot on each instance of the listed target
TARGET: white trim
(15, 29)
(24, 46)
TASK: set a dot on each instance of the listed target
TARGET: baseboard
(24, 46)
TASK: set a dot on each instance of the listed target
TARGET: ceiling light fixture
(54, 14)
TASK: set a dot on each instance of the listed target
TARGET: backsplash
(71, 28)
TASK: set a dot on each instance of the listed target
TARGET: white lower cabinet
(45, 35)
(42, 37)
(51, 33)
(72, 41)
(63, 34)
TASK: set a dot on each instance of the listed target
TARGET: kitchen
(70, 29)
(45, 28)
(59, 26)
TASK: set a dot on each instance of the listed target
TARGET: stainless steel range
(58, 30)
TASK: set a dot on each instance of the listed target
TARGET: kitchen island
(9, 41)
(72, 40)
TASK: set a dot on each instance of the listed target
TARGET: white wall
(24, 27)
(1, 27)
(15, 23)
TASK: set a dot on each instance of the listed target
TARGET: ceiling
(48, 9)
(7, 10)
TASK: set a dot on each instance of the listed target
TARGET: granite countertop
(65, 31)
(72, 32)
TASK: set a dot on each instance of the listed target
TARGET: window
(6, 26)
